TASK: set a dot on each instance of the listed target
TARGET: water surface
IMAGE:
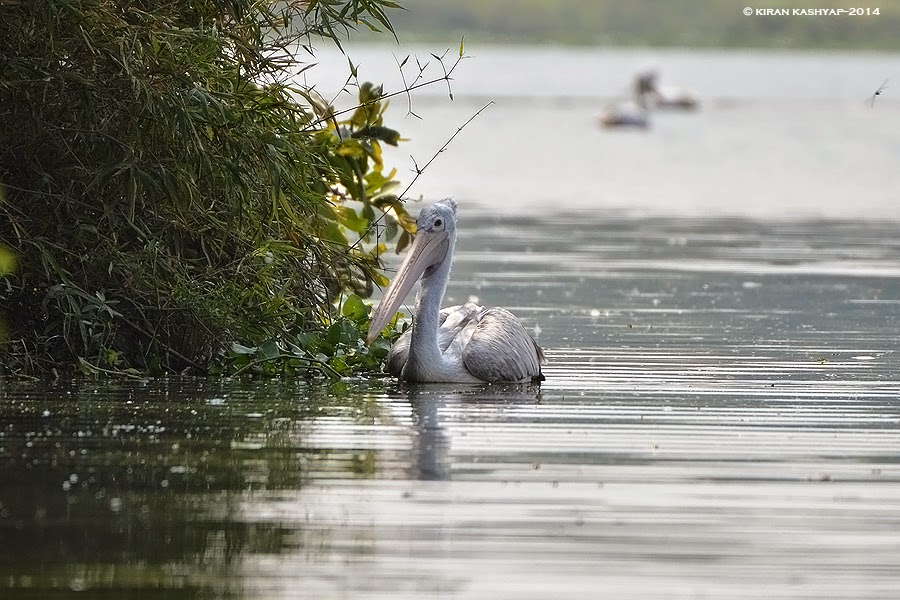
(718, 299)
(721, 419)
(778, 134)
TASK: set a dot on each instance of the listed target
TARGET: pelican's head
(435, 235)
(440, 216)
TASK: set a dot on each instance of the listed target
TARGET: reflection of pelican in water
(430, 406)
(467, 343)
(432, 443)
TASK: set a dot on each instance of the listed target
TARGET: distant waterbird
(664, 97)
(625, 114)
(459, 344)
(647, 95)
(631, 114)
(877, 93)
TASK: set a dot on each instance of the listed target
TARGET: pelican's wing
(500, 349)
(452, 320)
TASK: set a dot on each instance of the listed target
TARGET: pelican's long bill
(428, 248)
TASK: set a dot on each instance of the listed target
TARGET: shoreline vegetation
(174, 202)
(648, 23)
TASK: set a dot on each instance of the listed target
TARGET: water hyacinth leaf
(341, 332)
(308, 342)
(380, 347)
(350, 333)
(240, 349)
(340, 365)
(269, 349)
(355, 309)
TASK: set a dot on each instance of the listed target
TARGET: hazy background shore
(685, 23)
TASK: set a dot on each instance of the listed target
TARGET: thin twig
(446, 77)
(419, 170)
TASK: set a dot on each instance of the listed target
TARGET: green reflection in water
(132, 490)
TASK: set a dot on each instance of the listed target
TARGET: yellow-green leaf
(332, 231)
(351, 148)
(350, 219)
(380, 280)
(7, 261)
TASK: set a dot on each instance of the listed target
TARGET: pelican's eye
(438, 223)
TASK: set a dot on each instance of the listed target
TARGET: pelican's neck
(424, 352)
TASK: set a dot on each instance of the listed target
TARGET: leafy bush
(170, 195)
(7, 264)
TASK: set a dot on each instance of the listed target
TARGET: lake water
(720, 419)
(778, 135)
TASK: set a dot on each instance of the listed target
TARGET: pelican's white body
(467, 343)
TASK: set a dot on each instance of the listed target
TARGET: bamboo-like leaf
(191, 173)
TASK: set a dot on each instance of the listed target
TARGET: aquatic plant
(176, 201)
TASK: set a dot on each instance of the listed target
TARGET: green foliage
(7, 265)
(7, 261)
(683, 23)
(337, 351)
(171, 193)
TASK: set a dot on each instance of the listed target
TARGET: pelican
(459, 344)
(664, 97)
(627, 114)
